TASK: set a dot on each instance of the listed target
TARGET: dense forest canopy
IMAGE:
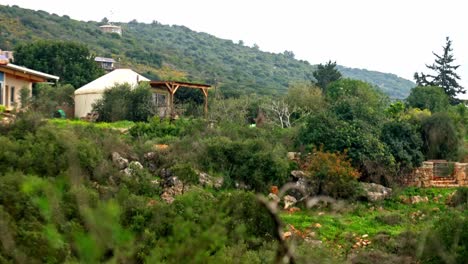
(176, 52)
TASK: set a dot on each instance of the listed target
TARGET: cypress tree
(445, 75)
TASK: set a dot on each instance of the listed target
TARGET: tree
(71, 61)
(105, 21)
(445, 75)
(354, 100)
(404, 142)
(428, 97)
(326, 74)
(440, 137)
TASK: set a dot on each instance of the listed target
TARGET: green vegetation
(71, 61)
(121, 102)
(143, 189)
(176, 52)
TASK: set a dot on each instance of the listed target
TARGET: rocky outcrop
(375, 192)
(119, 161)
(208, 181)
(289, 201)
(132, 168)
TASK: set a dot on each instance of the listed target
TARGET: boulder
(132, 168)
(170, 192)
(298, 174)
(375, 192)
(418, 199)
(119, 161)
(293, 155)
(208, 181)
(218, 182)
(273, 197)
(289, 201)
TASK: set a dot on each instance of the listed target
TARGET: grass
(391, 217)
(76, 122)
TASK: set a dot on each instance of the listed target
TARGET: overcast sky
(396, 36)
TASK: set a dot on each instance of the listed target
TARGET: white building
(111, 29)
(87, 95)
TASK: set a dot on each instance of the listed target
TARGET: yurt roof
(112, 78)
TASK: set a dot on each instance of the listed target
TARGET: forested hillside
(176, 52)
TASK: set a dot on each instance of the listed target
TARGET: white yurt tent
(87, 95)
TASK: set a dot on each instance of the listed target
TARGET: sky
(394, 36)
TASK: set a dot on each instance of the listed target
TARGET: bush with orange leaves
(331, 174)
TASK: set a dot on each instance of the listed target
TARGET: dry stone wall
(426, 175)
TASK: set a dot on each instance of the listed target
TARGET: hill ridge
(176, 52)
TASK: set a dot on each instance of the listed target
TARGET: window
(12, 95)
(159, 100)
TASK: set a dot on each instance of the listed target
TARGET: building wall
(10, 81)
(425, 176)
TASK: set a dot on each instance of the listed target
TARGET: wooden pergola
(173, 86)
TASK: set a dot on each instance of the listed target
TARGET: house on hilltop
(6, 55)
(13, 78)
(109, 28)
(106, 63)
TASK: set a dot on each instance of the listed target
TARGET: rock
(155, 182)
(294, 209)
(292, 155)
(160, 147)
(132, 168)
(273, 197)
(241, 186)
(119, 161)
(375, 192)
(168, 198)
(170, 192)
(151, 202)
(274, 189)
(313, 242)
(150, 155)
(289, 201)
(287, 235)
(205, 180)
(218, 182)
(418, 199)
(298, 174)
(208, 181)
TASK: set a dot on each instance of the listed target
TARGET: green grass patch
(62, 123)
(391, 217)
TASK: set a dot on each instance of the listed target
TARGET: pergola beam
(173, 86)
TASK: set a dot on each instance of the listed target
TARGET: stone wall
(424, 176)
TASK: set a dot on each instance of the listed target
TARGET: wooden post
(205, 93)
(172, 88)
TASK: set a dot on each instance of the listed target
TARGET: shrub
(164, 128)
(389, 219)
(255, 162)
(447, 242)
(47, 98)
(122, 102)
(440, 137)
(332, 174)
(460, 198)
(185, 173)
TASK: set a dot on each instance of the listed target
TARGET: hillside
(176, 52)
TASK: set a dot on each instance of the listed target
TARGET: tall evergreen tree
(445, 75)
(326, 74)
